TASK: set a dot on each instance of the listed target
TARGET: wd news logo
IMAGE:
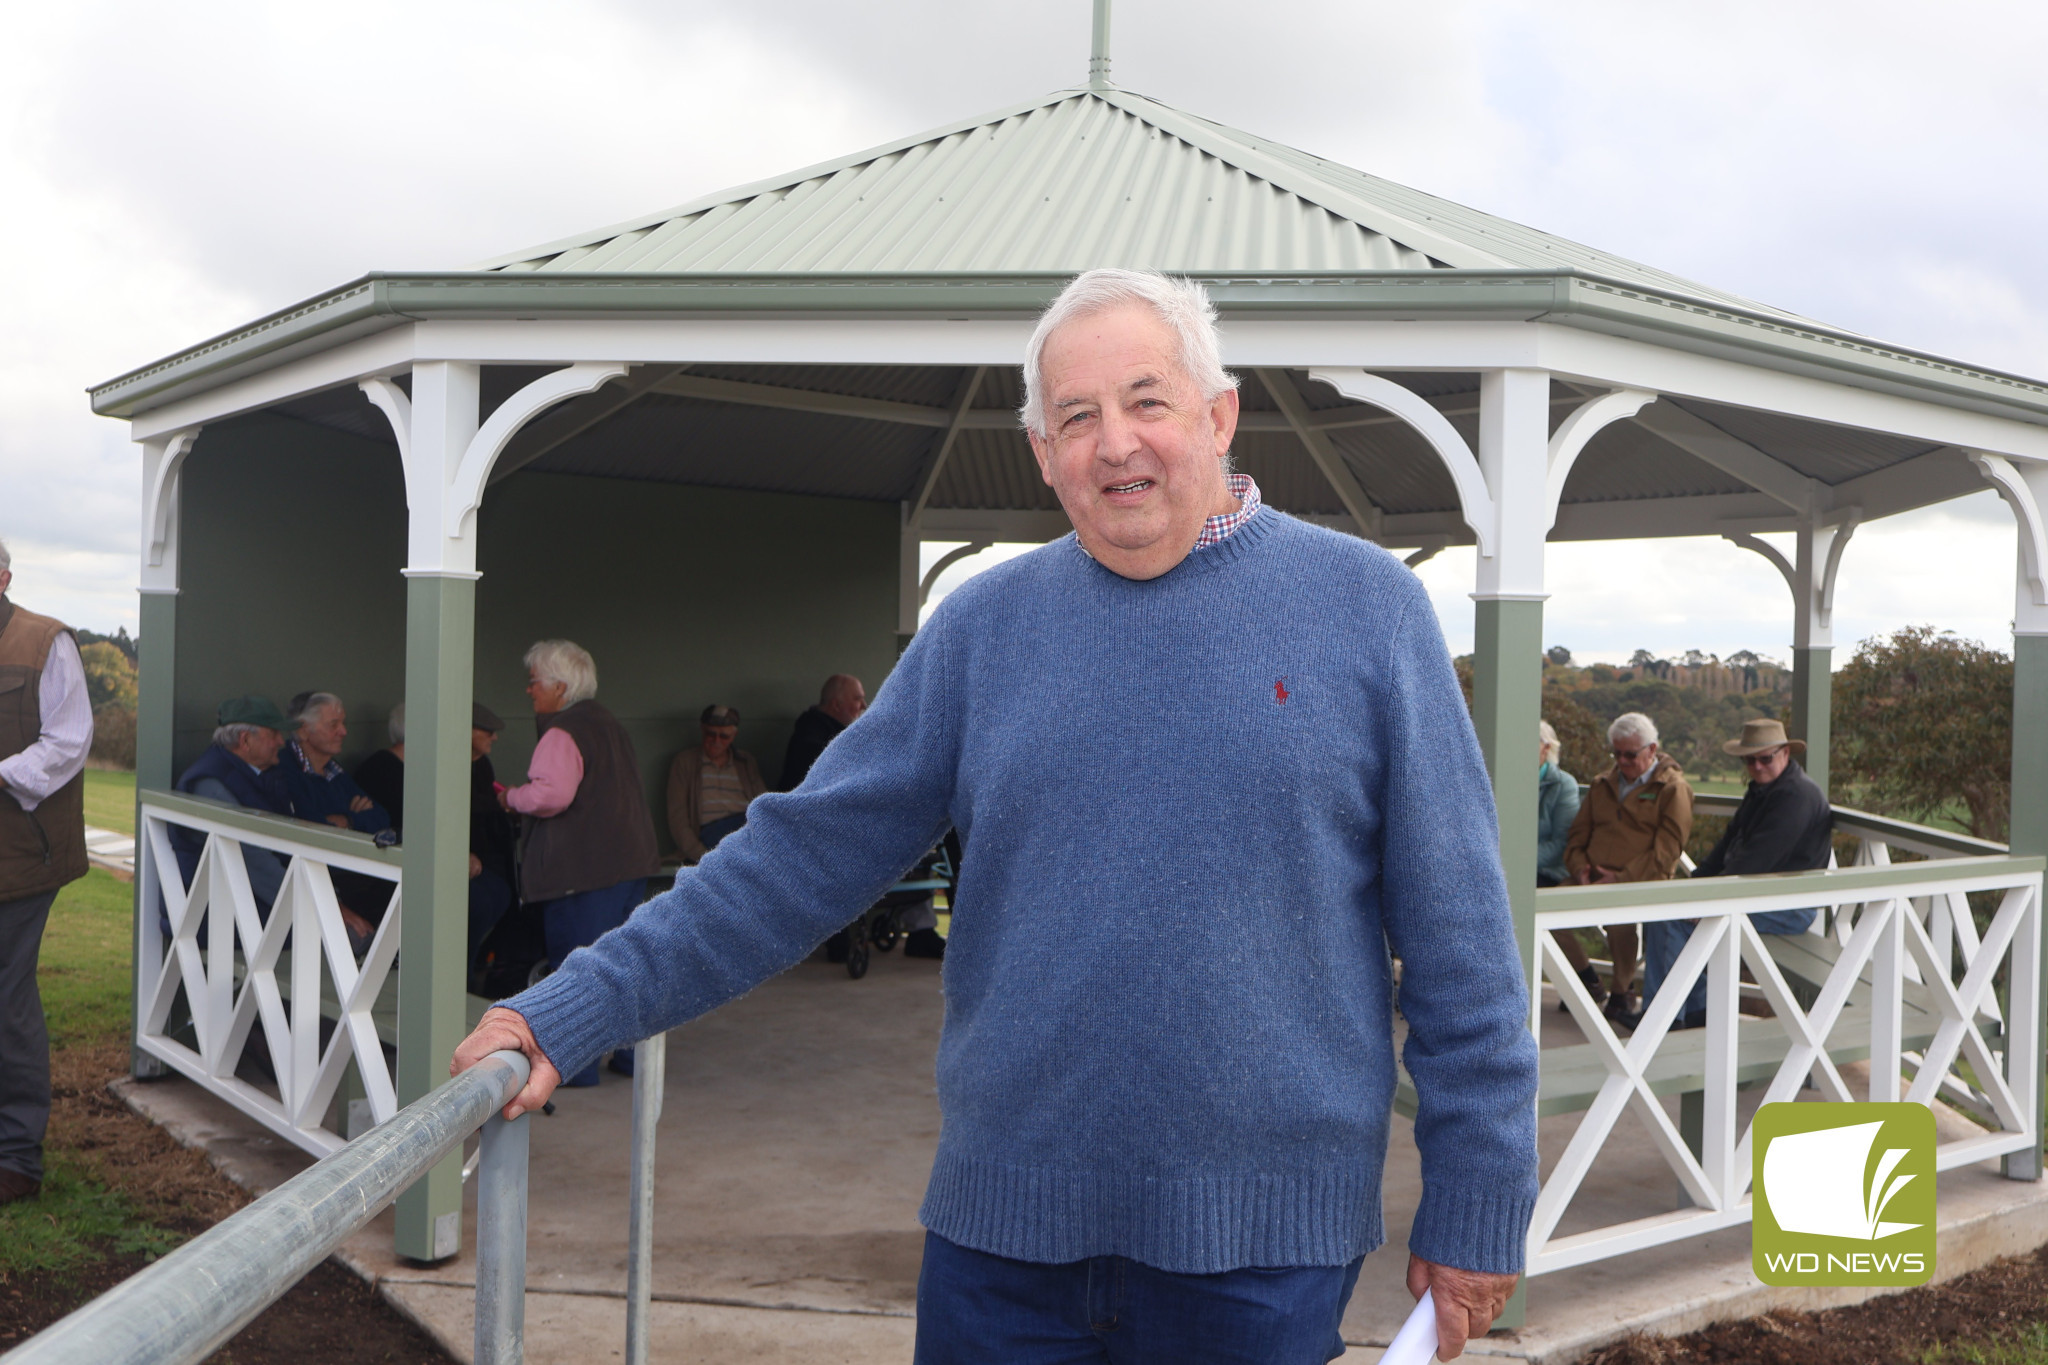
(1844, 1194)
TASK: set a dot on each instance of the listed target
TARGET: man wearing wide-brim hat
(1784, 824)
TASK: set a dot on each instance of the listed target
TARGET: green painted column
(155, 759)
(1507, 701)
(1812, 702)
(2030, 800)
(440, 632)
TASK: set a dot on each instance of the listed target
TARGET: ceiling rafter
(1280, 387)
(572, 419)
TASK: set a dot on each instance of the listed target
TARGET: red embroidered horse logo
(1280, 692)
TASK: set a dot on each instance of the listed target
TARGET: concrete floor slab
(799, 1130)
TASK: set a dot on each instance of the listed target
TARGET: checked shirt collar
(1221, 527)
(330, 772)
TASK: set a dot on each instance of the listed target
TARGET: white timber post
(163, 470)
(2024, 486)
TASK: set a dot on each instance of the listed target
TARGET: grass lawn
(110, 800)
(83, 971)
(83, 975)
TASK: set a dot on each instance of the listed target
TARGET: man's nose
(1116, 438)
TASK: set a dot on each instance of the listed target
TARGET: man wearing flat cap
(711, 786)
(1784, 824)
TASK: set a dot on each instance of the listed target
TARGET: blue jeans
(975, 1309)
(1664, 940)
(572, 922)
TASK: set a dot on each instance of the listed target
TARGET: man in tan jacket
(1631, 827)
(711, 786)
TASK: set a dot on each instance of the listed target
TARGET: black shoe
(14, 1186)
(1619, 1005)
(621, 1063)
(924, 943)
(1690, 1019)
(1593, 987)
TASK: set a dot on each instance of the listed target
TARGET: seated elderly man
(319, 787)
(1632, 827)
(840, 703)
(240, 768)
(1784, 824)
(711, 786)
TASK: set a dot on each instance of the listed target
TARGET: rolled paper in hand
(1415, 1343)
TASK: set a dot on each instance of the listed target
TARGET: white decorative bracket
(1570, 439)
(162, 495)
(466, 489)
(397, 410)
(1769, 551)
(1824, 591)
(1474, 501)
(2001, 474)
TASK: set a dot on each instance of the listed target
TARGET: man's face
(718, 742)
(1133, 452)
(6, 577)
(1769, 765)
(323, 731)
(259, 748)
(1632, 758)
(480, 742)
(847, 703)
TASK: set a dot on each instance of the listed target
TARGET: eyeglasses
(1626, 754)
(1761, 760)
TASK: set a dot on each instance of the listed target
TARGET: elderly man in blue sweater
(1219, 758)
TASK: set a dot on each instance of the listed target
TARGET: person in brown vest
(45, 733)
(588, 846)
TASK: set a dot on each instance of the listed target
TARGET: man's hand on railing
(1467, 1301)
(505, 1030)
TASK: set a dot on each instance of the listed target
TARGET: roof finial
(1098, 54)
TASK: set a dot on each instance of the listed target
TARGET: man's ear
(1223, 411)
(1041, 450)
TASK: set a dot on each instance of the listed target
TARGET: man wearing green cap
(240, 768)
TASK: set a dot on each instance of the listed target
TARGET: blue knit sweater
(1199, 812)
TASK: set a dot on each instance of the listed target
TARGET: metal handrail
(186, 1305)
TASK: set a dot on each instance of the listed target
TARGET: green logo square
(1844, 1194)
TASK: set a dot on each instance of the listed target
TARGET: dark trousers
(24, 1040)
(973, 1308)
(710, 834)
(1664, 940)
(572, 922)
(490, 896)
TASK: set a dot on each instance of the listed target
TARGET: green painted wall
(294, 538)
(685, 596)
(292, 541)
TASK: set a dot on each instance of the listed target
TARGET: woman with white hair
(1557, 805)
(589, 840)
(1632, 827)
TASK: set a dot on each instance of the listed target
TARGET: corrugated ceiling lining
(1831, 454)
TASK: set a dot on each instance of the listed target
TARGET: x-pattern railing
(1893, 924)
(223, 961)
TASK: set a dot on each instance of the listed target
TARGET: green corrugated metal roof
(1077, 179)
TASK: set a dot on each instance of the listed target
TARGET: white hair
(567, 663)
(6, 560)
(1548, 736)
(1635, 725)
(309, 706)
(1181, 304)
(395, 727)
(228, 736)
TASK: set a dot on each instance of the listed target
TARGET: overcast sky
(174, 171)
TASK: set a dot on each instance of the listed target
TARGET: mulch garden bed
(1985, 1308)
(330, 1316)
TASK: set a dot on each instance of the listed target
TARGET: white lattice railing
(1903, 974)
(225, 967)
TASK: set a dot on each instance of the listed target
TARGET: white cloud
(173, 172)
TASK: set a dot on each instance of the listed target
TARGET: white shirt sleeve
(58, 755)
